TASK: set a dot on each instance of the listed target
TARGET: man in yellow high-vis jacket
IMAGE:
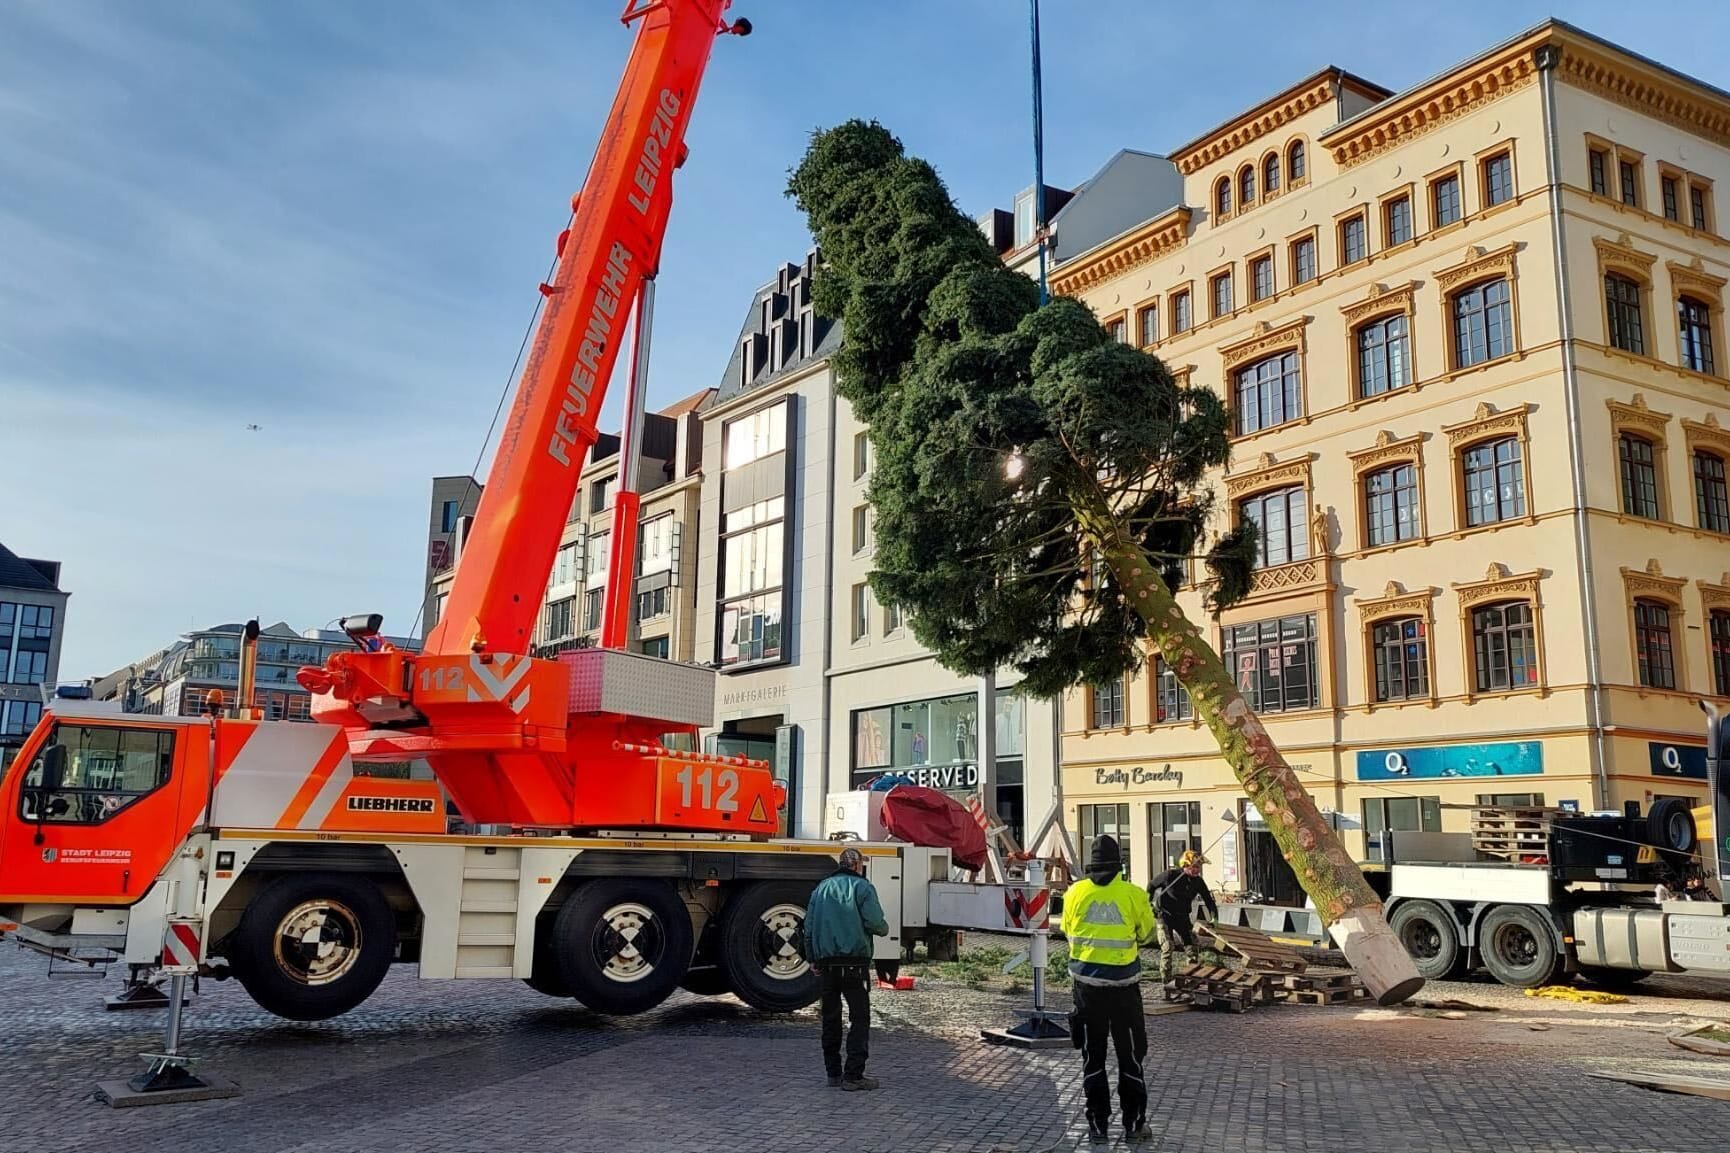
(1106, 920)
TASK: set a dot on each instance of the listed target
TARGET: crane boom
(618, 222)
(577, 741)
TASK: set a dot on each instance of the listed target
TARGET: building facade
(816, 677)
(177, 680)
(663, 602)
(1471, 336)
(32, 624)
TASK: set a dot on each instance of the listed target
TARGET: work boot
(834, 1080)
(859, 1084)
(1097, 1132)
(1138, 1132)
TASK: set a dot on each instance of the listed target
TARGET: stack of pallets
(1513, 834)
(1264, 971)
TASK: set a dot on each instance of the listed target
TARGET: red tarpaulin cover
(922, 816)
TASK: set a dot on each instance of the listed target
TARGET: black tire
(709, 981)
(1670, 825)
(1604, 978)
(1519, 947)
(763, 947)
(1429, 935)
(545, 978)
(311, 946)
(623, 943)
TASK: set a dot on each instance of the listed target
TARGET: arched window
(1294, 162)
(1695, 321)
(1401, 647)
(1483, 323)
(1384, 356)
(1222, 198)
(1622, 303)
(1270, 174)
(1654, 644)
(1246, 185)
(1504, 646)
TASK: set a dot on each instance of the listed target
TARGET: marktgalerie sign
(1123, 778)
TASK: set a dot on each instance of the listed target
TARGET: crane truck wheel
(1429, 935)
(763, 947)
(1519, 947)
(311, 946)
(623, 943)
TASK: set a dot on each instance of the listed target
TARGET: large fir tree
(1040, 489)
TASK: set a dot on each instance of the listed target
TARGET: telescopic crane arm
(576, 741)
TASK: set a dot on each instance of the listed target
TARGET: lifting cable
(498, 410)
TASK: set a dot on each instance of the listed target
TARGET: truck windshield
(107, 769)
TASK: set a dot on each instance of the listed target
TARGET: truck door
(102, 832)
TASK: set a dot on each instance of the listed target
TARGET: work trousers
(848, 982)
(1112, 1013)
(1176, 948)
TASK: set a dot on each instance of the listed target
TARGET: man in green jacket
(842, 917)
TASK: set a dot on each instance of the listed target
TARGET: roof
(827, 342)
(690, 404)
(1545, 26)
(17, 572)
(1267, 116)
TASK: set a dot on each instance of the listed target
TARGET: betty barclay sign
(1123, 778)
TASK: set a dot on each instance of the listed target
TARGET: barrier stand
(1037, 1029)
(168, 1078)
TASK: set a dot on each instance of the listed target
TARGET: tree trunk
(1348, 906)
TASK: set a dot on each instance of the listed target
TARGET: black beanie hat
(1105, 853)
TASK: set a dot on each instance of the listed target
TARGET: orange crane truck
(229, 845)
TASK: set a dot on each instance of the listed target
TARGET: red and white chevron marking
(180, 947)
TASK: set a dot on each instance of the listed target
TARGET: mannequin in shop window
(919, 748)
(963, 739)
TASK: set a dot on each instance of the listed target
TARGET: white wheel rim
(780, 942)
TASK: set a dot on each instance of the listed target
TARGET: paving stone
(495, 1067)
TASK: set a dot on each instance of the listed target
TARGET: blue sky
(329, 220)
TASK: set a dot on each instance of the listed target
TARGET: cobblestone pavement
(493, 1066)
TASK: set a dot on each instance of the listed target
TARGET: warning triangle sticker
(758, 812)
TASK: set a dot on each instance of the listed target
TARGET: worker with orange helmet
(1174, 894)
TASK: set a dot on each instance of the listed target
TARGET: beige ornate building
(1472, 337)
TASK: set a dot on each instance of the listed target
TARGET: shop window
(1095, 821)
(1384, 815)
(1173, 828)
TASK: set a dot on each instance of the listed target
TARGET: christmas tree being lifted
(1040, 488)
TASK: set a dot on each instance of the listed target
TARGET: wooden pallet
(1325, 988)
(1217, 987)
(1258, 951)
(1513, 834)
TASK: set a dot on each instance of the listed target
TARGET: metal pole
(1041, 940)
(171, 1035)
(622, 548)
(985, 745)
(1038, 149)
